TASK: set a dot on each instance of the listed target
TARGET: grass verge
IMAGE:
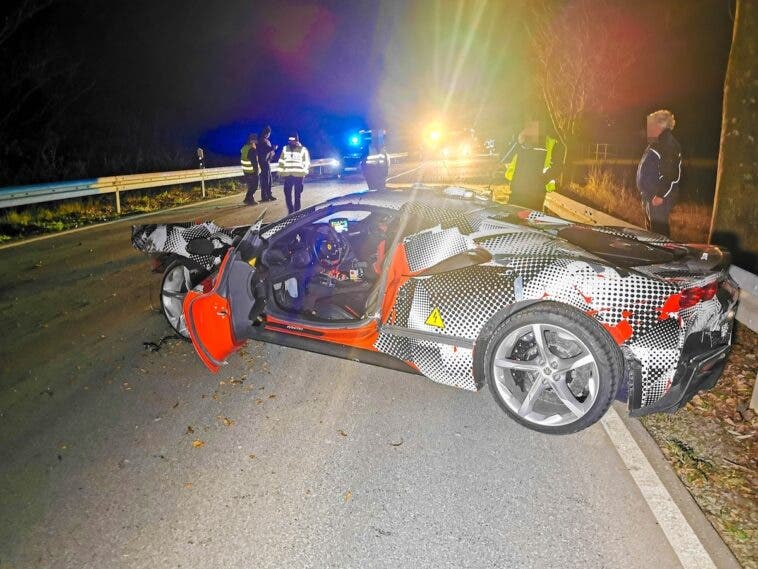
(616, 196)
(712, 444)
(70, 214)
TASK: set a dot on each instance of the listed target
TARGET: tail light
(691, 296)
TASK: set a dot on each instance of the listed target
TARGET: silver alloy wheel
(176, 283)
(546, 374)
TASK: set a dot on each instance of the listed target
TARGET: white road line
(679, 533)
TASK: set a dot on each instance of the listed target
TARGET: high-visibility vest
(249, 163)
(294, 162)
(549, 146)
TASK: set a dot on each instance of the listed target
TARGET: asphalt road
(112, 455)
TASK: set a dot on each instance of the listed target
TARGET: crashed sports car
(556, 317)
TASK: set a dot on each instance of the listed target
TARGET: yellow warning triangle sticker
(435, 319)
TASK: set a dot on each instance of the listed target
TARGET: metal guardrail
(38, 193)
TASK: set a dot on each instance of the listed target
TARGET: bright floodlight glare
(435, 135)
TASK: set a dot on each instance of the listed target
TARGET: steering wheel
(330, 247)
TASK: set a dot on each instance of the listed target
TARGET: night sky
(207, 73)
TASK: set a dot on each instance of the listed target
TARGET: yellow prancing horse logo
(435, 319)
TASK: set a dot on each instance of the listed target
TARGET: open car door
(219, 321)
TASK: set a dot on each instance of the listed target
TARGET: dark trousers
(265, 179)
(252, 186)
(290, 183)
(375, 176)
(657, 217)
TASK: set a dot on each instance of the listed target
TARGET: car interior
(327, 269)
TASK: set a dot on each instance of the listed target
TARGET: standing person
(265, 153)
(294, 164)
(249, 162)
(532, 171)
(375, 169)
(659, 171)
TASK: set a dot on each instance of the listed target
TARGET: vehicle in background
(441, 142)
(359, 144)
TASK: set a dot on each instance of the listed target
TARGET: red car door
(218, 320)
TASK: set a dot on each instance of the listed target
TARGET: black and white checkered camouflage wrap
(529, 263)
(172, 238)
(527, 266)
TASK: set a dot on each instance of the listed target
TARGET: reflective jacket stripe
(248, 166)
(294, 162)
(679, 177)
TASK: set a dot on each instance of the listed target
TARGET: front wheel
(179, 278)
(552, 368)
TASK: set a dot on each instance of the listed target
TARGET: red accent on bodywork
(363, 337)
(397, 275)
(209, 322)
(671, 305)
(587, 299)
(621, 332)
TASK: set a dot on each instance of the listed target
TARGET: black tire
(569, 338)
(173, 292)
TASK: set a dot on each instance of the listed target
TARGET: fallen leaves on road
(398, 443)
(347, 496)
(197, 443)
(341, 432)
(190, 430)
(227, 421)
(187, 484)
(251, 456)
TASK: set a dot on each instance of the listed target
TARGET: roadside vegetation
(617, 196)
(70, 214)
(712, 444)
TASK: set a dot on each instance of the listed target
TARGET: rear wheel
(551, 368)
(179, 278)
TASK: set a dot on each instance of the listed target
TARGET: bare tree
(581, 60)
(18, 16)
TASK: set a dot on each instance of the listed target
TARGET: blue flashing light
(355, 140)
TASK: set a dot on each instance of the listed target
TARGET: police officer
(249, 162)
(532, 171)
(265, 153)
(294, 164)
(375, 169)
(660, 171)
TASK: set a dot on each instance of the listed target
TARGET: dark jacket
(265, 152)
(660, 168)
(529, 178)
